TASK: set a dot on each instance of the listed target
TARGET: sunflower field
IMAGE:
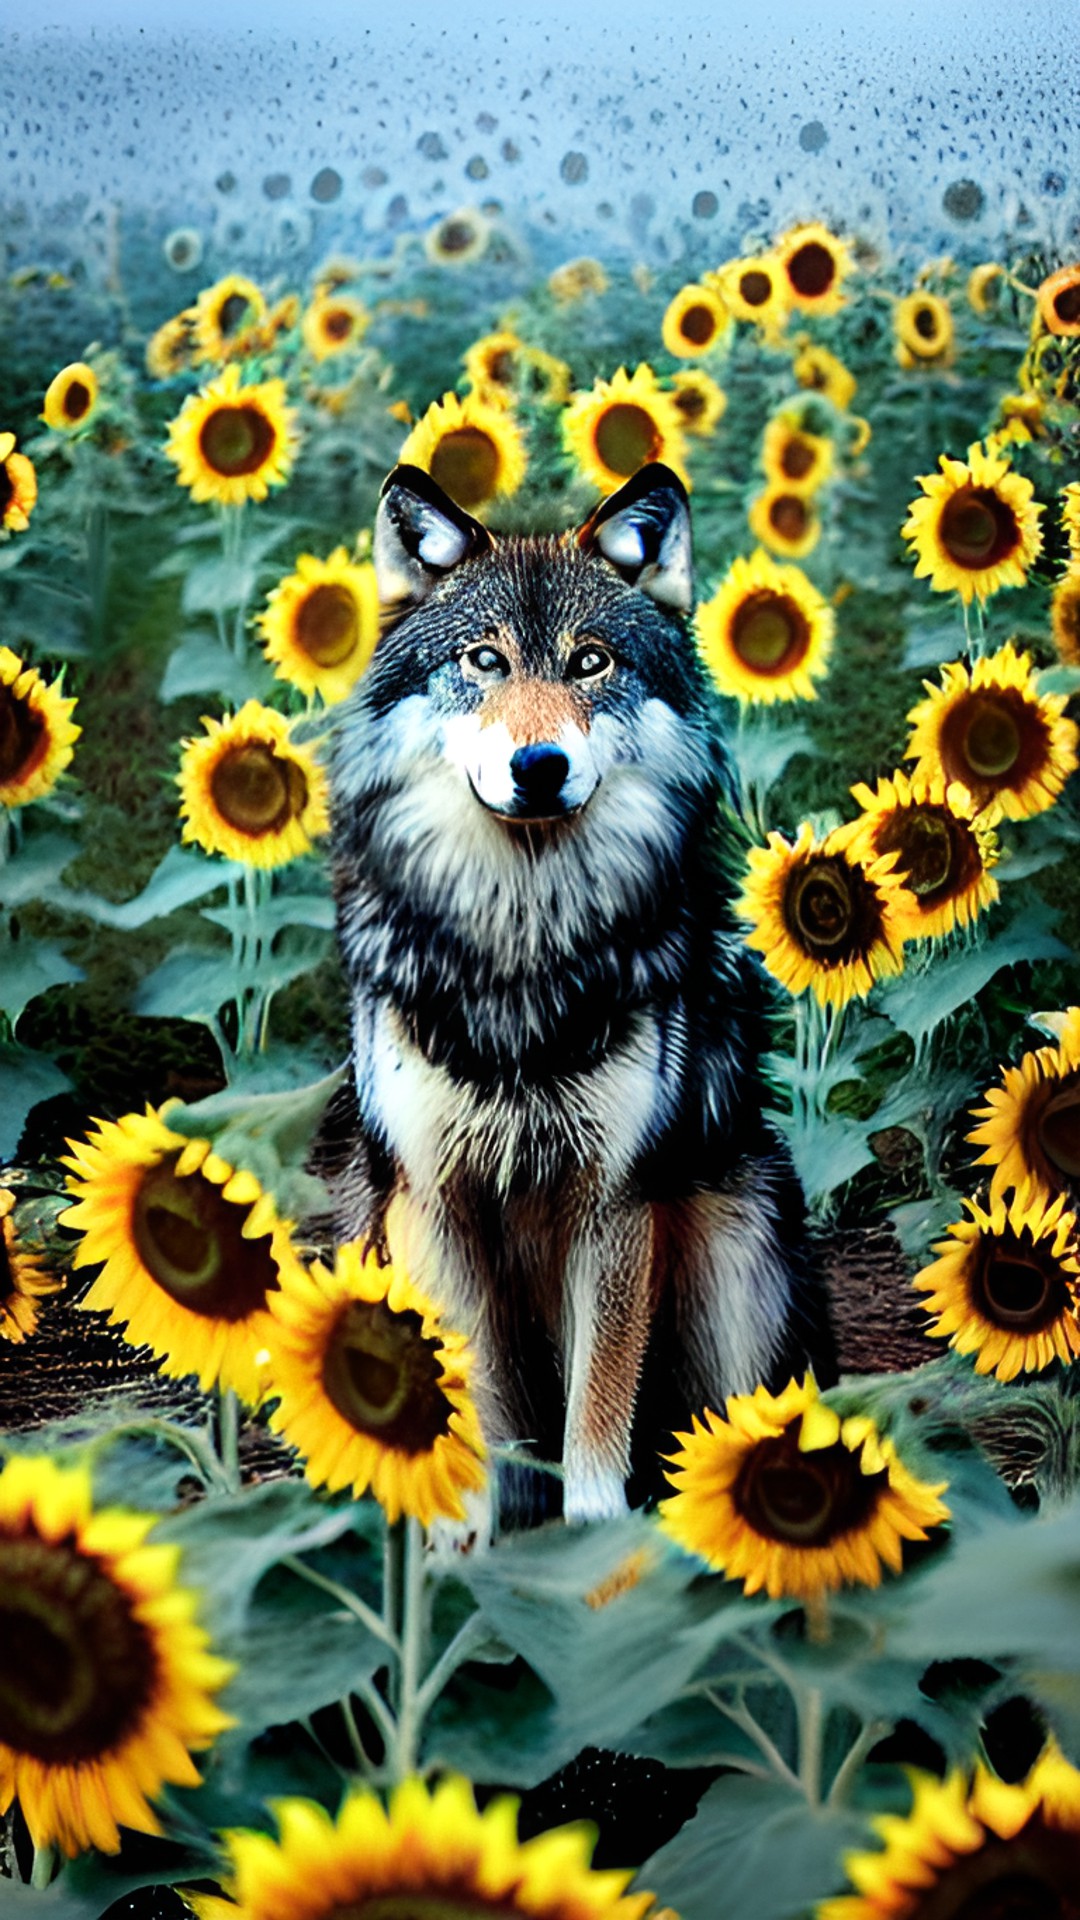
(835, 1673)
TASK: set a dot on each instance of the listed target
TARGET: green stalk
(229, 1437)
(409, 1716)
(811, 1716)
(41, 1871)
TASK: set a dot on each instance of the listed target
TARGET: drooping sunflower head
(374, 1390)
(474, 451)
(37, 733)
(251, 792)
(944, 849)
(1031, 1126)
(976, 527)
(24, 1280)
(784, 1495)
(171, 350)
(767, 633)
(106, 1678)
(695, 321)
(334, 323)
(232, 442)
(984, 286)
(1006, 1286)
(321, 624)
(700, 402)
(819, 371)
(755, 288)
(822, 917)
(193, 1249)
(815, 265)
(430, 1853)
(71, 397)
(622, 424)
(783, 518)
(226, 317)
(795, 460)
(923, 325)
(990, 729)
(988, 1848)
(18, 486)
(458, 239)
(1059, 302)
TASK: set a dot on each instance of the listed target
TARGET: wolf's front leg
(607, 1312)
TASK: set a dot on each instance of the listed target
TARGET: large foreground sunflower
(472, 450)
(24, 1281)
(1031, 1125)
(783, 1494)
(232, 442)
(71, 397)
(1006, 1286)
(374, 1390)
(944, 849)
(18, 486)
(321, 624)
(106, 1679)
(249, 791)
(823, 918)
(976, 527)
(990, 1851)
(816, 264)
(993, 731)
(37, 734)
(193, 1249)
(432, 1853)
(620, 425)
(767, 633)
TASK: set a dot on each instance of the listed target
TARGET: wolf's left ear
(643, 531)
(420, 535)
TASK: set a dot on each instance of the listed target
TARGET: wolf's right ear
(420, 536)
(643, 531)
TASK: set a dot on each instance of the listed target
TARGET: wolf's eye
(484, 662)
(589, 663)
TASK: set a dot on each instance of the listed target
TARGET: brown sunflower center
(465, 464)
(441, 1904)
(236, 440)
(233, 314)
(1059, 1128)
(1067, 304)
(812, 270)
(626, 437)
(770, 634)
(7, 487)
(384, 1377)
(1034, 1876)
(190, 1241)
(698, 325)
(803, 1499)
(456, 236)
(690, 402)
(831, 909)
(23, 736)
(978, 529)
(789, 516)
(991, 740)
(337, 323)
(77, 399)
(755, 287)
(797, 458)
(926, 322)
(1017, 1284)
(256, 790)
(328, 625)
(939, 856)
(76, 1667)
(500, 367)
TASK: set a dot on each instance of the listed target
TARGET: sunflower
(755, 288)
(700, 402)
(984, 284)
(232, 442)
(251, 793)
(1031, 1126)
(767, 633)
(1065, 617)
(71, 397)
(622, 424)
(990, 729)
(1070, 516)
(37, 734)
(1022, 419)
(374, 1391)
(795, 460)
(333, 323)
(818, 370)
(944, 846)
(815, 265)
(695, 322)
(923, 325)
(823, 918)
(225, 315)
(106, 1679)
(193, 1249)
(321, 624)
(784, 520)
(1059, 302)
(18, 486)
(991, 1849)
(783, 1494)
(576, 279)
(23, 1280)
(171, 350)
(976, 528)
(458, 239)
(473, 451)
(500, 367)
(432, 1852)
(1007, 1286)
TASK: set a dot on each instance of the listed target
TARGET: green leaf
(297, 1650)
(33, 871)
(28, 968)
(183, 876)
(1013, 1589)
(190, 985)
(929, 646)
(763, 748)
(284, 910)
(26, 1078)
(199, 663)
(920, 999)
(753, 1847)
(1059, 679)
(269, 1134)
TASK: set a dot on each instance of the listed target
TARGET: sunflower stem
(393, 1568)
(192, 1445)
(872, 1732)
(229, 1437)
(349, 1600)
(467, 1638)
(740, 1716)
(409, 1717)
(811, 1717)
(41, 1872)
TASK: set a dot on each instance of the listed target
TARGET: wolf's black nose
(539, 772)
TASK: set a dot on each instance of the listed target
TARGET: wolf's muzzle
(539, 774)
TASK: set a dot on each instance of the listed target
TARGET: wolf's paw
(592, 1493)
(449, 1538)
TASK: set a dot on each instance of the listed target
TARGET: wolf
(557, 1031)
